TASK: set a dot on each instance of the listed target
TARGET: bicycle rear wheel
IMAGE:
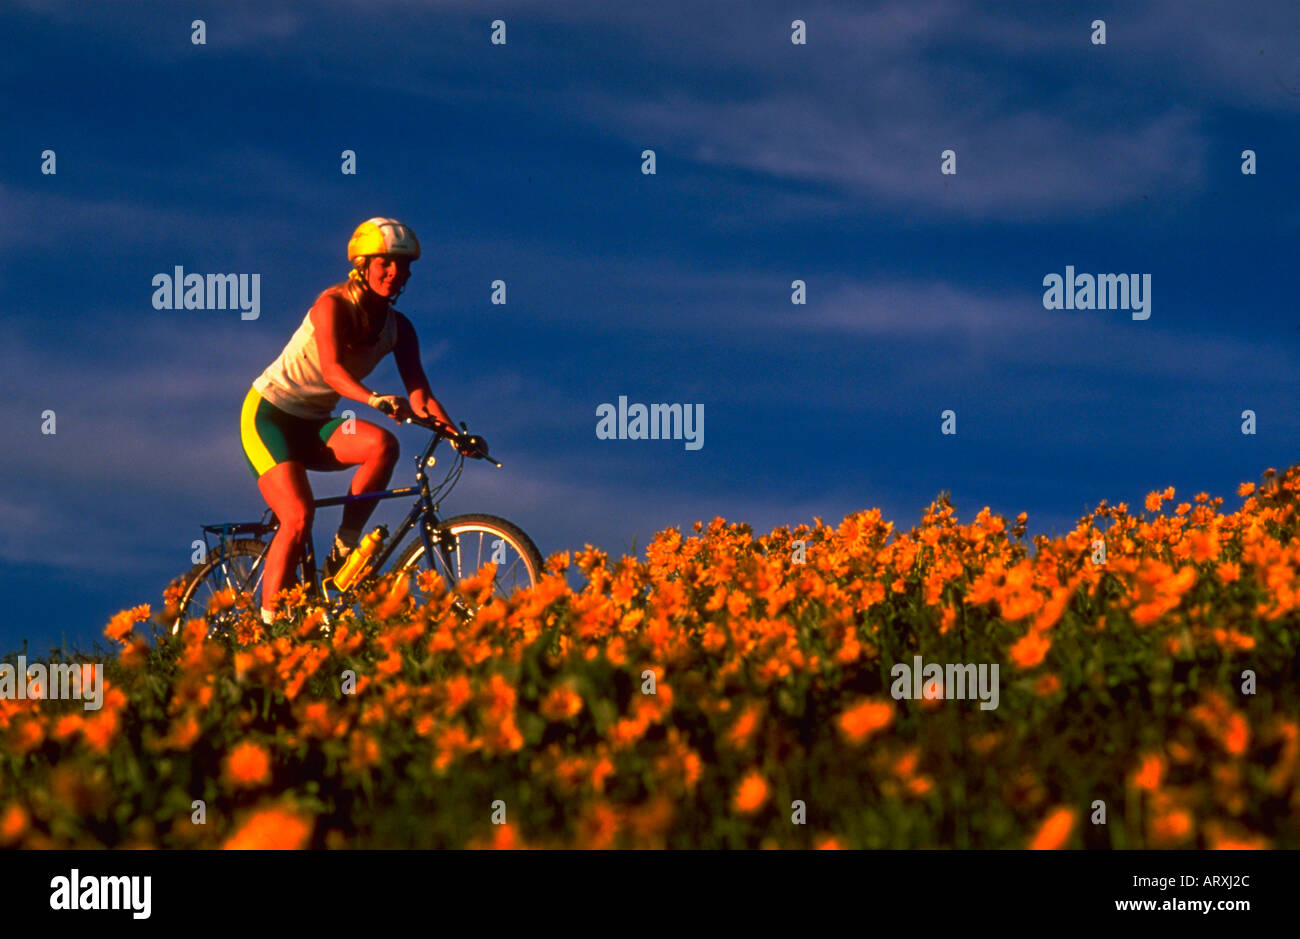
(241, 571)
(473, 542)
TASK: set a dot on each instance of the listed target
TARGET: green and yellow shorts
(272, 436)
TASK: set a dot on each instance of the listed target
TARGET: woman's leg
(375, 451)
(287, 492)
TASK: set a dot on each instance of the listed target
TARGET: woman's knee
(387, 448)
(296, 519)
(287, 492)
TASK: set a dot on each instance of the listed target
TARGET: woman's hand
(426, 405)
(395, 406)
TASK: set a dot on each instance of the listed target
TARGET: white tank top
(294, 382)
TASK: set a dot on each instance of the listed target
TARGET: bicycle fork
(435, 539)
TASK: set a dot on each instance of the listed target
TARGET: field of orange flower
(1124, 689)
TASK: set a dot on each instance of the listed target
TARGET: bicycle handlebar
(443, 430)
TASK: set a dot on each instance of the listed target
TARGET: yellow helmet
(382, 236)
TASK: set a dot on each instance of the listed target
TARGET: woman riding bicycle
(286, 424)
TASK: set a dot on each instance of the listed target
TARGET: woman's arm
(326, 314)
(407, 354)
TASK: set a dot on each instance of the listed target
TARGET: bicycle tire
(193, 606)
(493, 525)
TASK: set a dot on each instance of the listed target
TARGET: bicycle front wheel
(471, 542)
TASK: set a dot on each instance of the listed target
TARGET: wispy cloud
(147, 25)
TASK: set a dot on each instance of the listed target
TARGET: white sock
(268, 616)
(348, 538)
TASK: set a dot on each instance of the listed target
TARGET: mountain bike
(452, 547)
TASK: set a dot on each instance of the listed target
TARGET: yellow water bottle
(354, 565)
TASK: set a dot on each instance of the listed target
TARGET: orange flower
(648, 823)
(1204, 546)
(1030, 649)
(221, 600)
(626, 731)
(1159, 590)
(692, 768)
(1047, 685)
(829, 843)
(1233, 639)
(1237, 735)
(600, 772)
(391, 665)
(1245, 489)
(561, 704)
(183, 732)
(27, 735)
(67, 725)
(99, 731)
(1171, 827)
(272, 829)
(505, 838)
(751, 794)
(396, 598)
(630, 620)
(864, 719)
(310, 623)
(122, 623)
(315, 721)
(458, 693)
(616, 652)
(744, 727)
(599, 827)
(905, 765)
(248, 766)
(1055, 830)
(624, 589)
(738, 603)
(1150, 773)
(1221, 838)
(451, 743)
(363, 751)
(13, 823)
(1223, 723)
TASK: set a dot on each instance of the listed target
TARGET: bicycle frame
(423, 513)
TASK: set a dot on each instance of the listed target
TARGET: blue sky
(522, 162)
